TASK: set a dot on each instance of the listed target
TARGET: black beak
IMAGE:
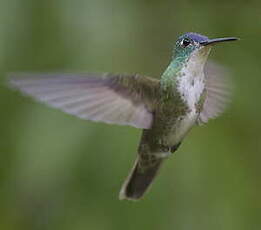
(217, 40)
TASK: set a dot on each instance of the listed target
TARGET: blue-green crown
(194, 37)
(187, 43)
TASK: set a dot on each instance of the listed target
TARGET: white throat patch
(190, 81)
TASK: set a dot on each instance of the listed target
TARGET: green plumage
(165, 109)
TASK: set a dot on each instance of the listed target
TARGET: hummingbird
(165, 109)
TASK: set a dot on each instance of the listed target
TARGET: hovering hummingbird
(166, 109)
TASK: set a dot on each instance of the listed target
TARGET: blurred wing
(218, 92)
(116, 99)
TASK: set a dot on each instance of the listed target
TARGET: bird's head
(197, 46)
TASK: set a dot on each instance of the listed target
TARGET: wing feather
(116, 99)
(218, 92)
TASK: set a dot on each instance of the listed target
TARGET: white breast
(191, 88)
(190, 85)
(190, 82)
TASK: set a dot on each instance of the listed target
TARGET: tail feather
(139, 179)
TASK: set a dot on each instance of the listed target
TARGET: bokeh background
(60, 172)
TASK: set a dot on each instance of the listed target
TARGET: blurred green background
(60, 172)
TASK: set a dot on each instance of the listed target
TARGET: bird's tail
(140, 178)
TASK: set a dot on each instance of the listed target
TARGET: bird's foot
(167, 151)
(163, 154)
(175, 147)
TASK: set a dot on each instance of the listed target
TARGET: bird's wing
(218, 90)
(116, 99)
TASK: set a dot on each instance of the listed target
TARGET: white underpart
(190, 84)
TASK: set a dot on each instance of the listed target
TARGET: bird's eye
(185, 42)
